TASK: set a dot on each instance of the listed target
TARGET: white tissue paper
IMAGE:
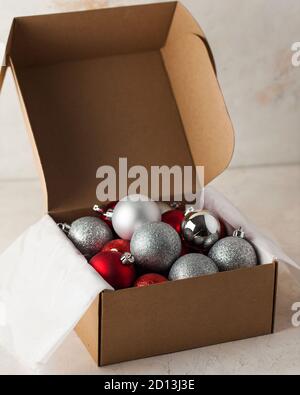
(46, 286)
(267, 249)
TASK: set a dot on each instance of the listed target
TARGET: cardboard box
(136, 82)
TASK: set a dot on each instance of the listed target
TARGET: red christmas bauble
(149, 279)
(109, 265)
(174, 218)
(117, 245)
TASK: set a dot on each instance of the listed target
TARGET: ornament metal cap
(127, 259)
(108, 214)
(189, 210)
(98, 209)
(239, 233)
(64, 227)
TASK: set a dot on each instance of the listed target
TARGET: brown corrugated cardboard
(88, 329)
(136, 82)
(186, 314)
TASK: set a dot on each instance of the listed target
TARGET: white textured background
(251, 41)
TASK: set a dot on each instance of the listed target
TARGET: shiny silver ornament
(192, 265)
(155, 246)
(233, 252)
(201, 229)
(89, 235)
(131, 213)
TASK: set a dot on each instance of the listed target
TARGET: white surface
(2, 51)
(251, 41)
(270, 197)
(46, 286)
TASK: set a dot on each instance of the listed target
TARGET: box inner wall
(100, 85)
(89, 113)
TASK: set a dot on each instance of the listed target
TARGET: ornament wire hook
(64, 227)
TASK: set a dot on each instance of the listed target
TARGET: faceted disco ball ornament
(132, 212)
(233, 252)
(192, 265)
(89, 235)
(201, 229)
(155, 247)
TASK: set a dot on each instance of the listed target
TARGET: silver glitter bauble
(192, 265)
(89, 235)
(201, 229)
(155, 246)
(131, 213)
(233, 253)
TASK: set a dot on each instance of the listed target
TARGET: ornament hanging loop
(108, 214)
(98, 209)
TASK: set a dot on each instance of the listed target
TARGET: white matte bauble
(132, 212)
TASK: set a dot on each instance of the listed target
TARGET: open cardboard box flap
(135, 82)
